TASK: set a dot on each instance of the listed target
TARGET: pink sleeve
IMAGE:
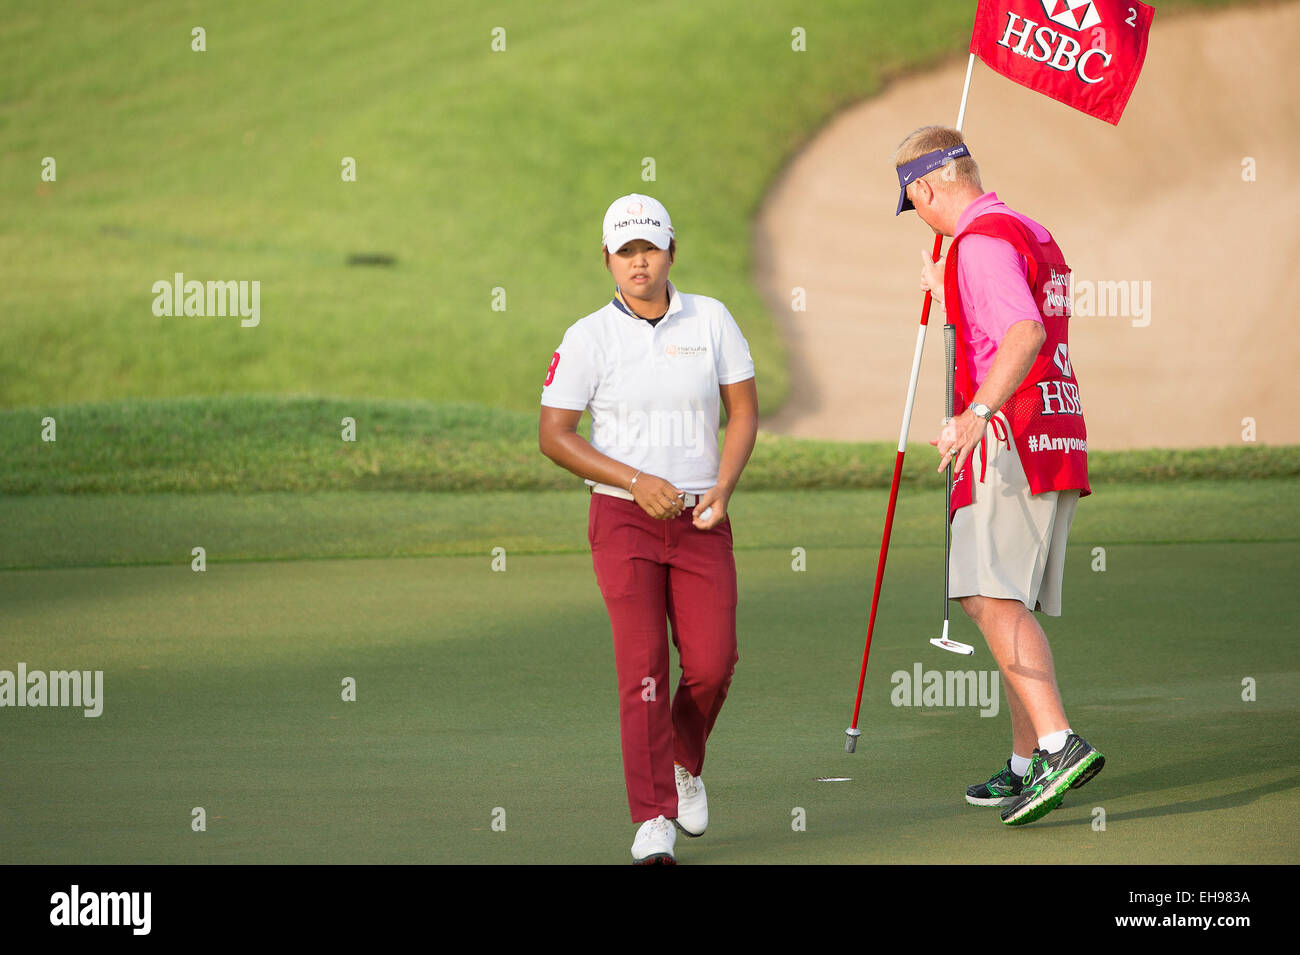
(993, 279)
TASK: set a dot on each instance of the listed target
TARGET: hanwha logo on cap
(635, 216)
(1075, 14)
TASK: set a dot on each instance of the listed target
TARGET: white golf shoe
(692, 804)
(654, 843)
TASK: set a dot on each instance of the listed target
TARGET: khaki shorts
(1009, 543)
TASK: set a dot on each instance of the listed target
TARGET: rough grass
(296, 444)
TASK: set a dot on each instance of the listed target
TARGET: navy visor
(911, 171)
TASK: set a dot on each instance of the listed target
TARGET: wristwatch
(982, 411)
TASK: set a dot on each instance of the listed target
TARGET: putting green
(487, 696)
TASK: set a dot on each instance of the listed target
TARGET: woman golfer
(652, 366)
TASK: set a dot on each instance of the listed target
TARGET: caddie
(1019, 451)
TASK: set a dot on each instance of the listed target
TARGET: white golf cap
(636, 217)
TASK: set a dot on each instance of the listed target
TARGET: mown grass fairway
(479, 690)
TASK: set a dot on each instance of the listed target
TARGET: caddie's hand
(932, 277)
(714, 498)
(957, 439)
(657, 497)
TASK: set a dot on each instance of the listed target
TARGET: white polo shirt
(653, 389)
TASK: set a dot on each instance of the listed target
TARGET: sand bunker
(1157, 209)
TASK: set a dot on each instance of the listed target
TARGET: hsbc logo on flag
(1075, 14)
(1060, 48)
(1057, 50)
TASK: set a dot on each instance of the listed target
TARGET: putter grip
(950, 366)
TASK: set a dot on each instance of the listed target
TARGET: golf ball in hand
(708, 512)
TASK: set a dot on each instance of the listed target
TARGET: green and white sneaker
(1001, 790)
(1050, 776)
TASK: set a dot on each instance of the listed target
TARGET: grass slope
(476, 170)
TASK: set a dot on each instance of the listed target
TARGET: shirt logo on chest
(685, 351)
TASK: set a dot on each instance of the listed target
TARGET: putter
(950, 355)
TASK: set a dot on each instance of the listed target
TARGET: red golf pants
(654, 574)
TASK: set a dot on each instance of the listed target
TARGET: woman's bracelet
(634, 477)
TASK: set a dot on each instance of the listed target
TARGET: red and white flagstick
(852, 733)
(965, 92)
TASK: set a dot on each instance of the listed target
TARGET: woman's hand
(716, 498)
(657, 497)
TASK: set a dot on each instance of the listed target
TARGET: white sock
(1053, 742)
(1019, 764)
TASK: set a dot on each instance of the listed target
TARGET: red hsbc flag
(1085, 53)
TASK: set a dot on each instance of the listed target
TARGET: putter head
(953, 646)
(851, 740)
